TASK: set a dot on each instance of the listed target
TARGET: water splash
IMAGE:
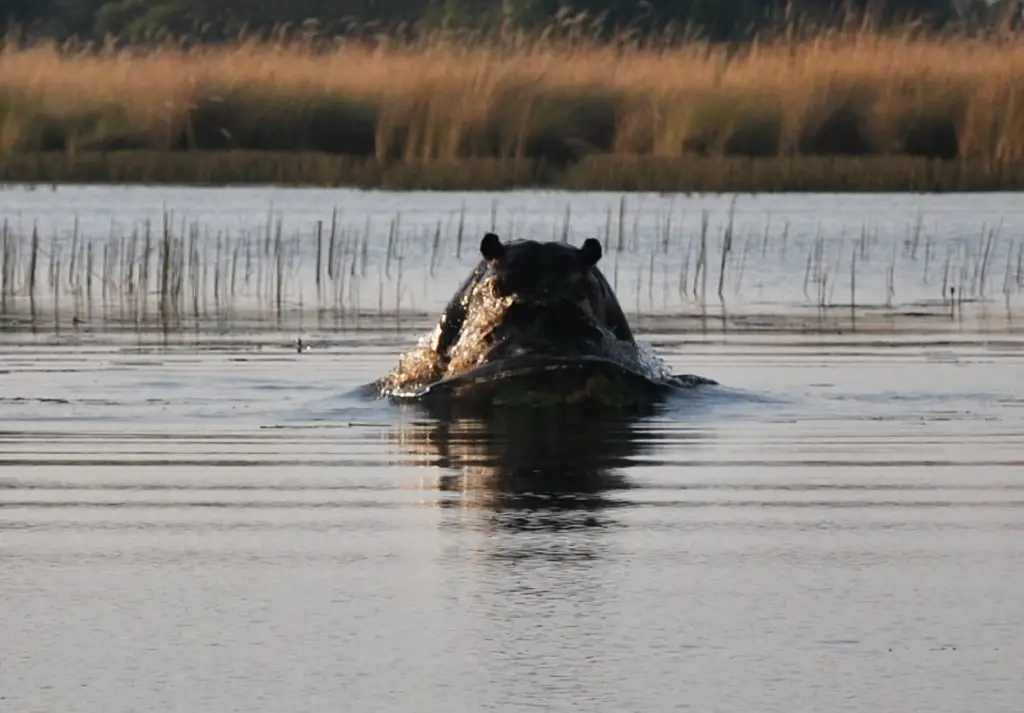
(649, 363)
(423, 365)
(485, 310)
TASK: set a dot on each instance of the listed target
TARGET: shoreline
(595, 172)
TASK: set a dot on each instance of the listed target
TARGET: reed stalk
(198, 274)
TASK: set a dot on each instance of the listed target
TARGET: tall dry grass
(838, 93)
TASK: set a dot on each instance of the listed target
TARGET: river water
(206, 518)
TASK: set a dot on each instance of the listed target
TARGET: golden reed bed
(866, 94)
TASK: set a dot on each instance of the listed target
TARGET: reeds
(894, 95)
(178, 274)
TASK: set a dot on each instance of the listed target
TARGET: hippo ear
(491, 247)
(590, 253)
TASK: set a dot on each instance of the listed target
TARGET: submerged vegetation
(178, 275)
(844, 110)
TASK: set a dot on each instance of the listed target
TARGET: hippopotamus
(533, 322)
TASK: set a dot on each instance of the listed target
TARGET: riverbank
(829, 113)
(596, 172)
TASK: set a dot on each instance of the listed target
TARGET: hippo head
(531, 298)
(539, 280)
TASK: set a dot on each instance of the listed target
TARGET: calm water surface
(213, 522)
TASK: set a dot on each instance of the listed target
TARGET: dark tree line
(221, 19)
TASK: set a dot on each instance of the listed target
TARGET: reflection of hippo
(549, 471)
(534, 322)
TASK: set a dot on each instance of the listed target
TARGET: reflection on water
(552, 470)
(188, 531)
